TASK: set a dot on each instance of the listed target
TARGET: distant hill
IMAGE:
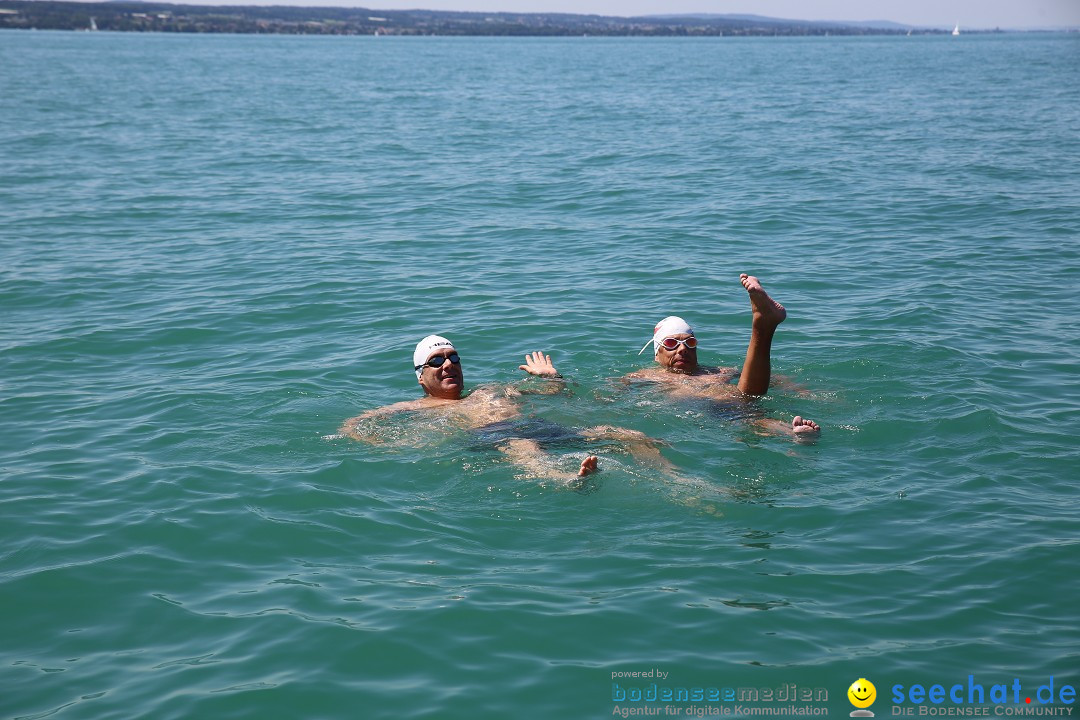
(763, 20)
(130, 16)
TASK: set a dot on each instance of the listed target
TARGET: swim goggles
(670, 343)
(436, 361)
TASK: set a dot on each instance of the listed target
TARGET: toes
(588, 466)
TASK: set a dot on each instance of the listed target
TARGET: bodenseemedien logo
(862, 694)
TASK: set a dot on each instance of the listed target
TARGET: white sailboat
(956, 30)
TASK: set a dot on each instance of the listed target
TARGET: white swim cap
(425, 347)
(671, 325)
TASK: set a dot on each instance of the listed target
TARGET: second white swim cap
(671, 325)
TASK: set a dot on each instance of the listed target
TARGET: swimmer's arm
(780, 382)
(351, 426)
(540, 365)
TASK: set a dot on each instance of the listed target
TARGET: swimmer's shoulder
(425, 403)
(397, 407)
(429, 403)
(490, 392)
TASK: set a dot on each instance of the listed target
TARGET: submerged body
(492, 411)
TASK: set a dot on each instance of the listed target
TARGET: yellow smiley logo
(862, 693)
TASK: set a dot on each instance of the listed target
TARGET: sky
(974, 14)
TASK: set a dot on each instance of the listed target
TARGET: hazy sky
(969, 13)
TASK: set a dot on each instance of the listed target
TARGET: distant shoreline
(285, 20)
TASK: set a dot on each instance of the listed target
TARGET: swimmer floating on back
(678, 373)
(438, 371)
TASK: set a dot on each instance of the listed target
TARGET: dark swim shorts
(734, 409)
(544, 432)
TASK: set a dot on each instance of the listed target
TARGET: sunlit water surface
(215, 249)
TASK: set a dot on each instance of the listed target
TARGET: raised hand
(539, 364)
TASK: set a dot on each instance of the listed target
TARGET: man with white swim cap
(493, 407)
(675, 352)
(680, 347)
(444, 380)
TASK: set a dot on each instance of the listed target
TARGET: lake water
(214, 249)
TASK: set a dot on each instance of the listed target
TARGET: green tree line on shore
(163, 17)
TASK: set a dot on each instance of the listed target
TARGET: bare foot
(588, 466)
(581, 482)
(767, 312)
(804, 429)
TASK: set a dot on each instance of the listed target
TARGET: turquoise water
(215, 249)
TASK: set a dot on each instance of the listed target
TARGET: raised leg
(757, 367)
